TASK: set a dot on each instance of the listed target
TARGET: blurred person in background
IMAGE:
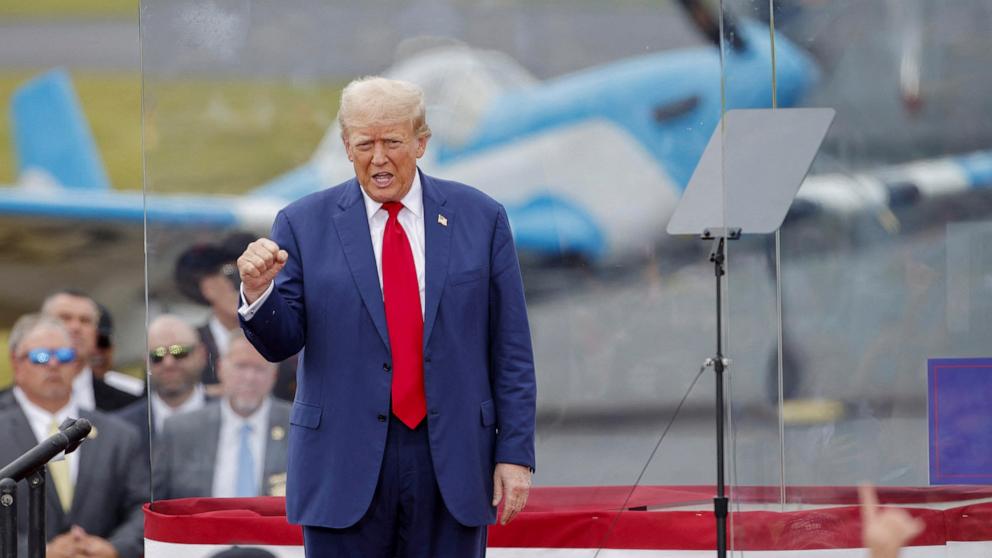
(103, 358)
(235, 446)
(176, 358)
(79, 313)
(207, 274)
(95, 494)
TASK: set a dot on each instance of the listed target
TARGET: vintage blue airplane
(558, 154)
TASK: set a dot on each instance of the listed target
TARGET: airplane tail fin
(51, 135)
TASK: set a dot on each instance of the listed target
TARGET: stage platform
(649, 521)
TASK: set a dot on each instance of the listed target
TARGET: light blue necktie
(246, 486)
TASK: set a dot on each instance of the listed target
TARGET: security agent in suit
(206, 274)
(414, 416)
(177, 358)
(94, 496)
(235, 446)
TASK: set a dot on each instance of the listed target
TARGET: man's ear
(422, 145)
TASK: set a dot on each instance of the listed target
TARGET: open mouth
(382, 179)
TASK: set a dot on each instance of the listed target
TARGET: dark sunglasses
(178, 352)
(44, 356)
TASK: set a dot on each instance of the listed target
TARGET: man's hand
(66, 545)
(512, 482)
(258, 266)
(885, 530)
(96, 547)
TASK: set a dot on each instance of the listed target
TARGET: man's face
(176, 370)
(47, 385)
(247, 378)
(79, 315)
(385, 158)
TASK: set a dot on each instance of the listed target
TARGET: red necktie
(404, 320)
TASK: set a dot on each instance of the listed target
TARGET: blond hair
(373, 100)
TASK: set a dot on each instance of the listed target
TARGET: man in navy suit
(415, 406)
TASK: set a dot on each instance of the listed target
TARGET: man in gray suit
(94, 496)
(233, 447)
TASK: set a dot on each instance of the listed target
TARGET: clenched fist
(259, 265)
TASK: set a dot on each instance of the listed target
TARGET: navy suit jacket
(478, 363)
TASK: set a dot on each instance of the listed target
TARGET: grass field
(49, 9)
(65, 9)
(202, 135)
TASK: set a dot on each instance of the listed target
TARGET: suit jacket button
(387, 367)
(382, 418)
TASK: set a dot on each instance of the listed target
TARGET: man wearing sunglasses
(176, 359)
(233, 447)
(94, 496)
(80, 315)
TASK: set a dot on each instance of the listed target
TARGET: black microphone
(71, 433)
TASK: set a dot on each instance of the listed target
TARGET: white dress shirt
(82, 389)
(412, 219)
(161, 410)
(222, 335)
(41, 421)
(124, 382)
(229, 445)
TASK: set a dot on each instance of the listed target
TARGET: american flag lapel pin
(442, 219)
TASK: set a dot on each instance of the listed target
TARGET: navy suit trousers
(407, 517)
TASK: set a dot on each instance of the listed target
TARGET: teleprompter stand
(745, 182)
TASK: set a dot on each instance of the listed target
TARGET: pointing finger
(869, 501)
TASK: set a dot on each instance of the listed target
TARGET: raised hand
(258, 265)
(885, 530)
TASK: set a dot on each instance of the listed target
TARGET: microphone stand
(31, 466)
(718, 255)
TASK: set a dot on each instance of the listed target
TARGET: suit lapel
(88, 466)
(23, 436)
(352, 224)
(208, 450)
(275, 444)
(437, 243)
(274, 470)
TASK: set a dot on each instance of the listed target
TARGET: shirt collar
(258, 419)
(82, 389)
(193, 402)
(413, 200)
(38, 416)
(222, 335)
(161, 410)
